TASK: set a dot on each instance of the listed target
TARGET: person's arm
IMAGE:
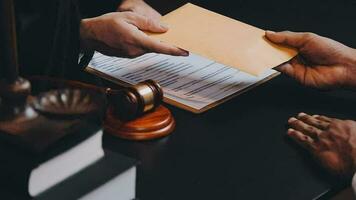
(122, 34)
(322, 63)
(48, 37)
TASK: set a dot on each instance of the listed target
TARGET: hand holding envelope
(222, 39)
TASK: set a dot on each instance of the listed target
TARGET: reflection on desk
(236, 149)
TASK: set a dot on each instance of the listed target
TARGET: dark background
(335, 19)
(239, 149)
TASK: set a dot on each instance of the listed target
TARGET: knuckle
(131, 53)
(307, 118)
(132, 16)
(303, 138)
(287, 32)
(349, 123)
(134, 53)
(129, 14)
(326, 144)
(319, 123)
(323, 135)
(299, 123)
(293, 123)
(149, 21)
(309, 35)
(311, 129)
(348, 126)
(332, 127)
(124, 15)
(340, 125)
(145, 20)
(323, 116)
(323, 125)
(303, 117)
(116, 21)
(338, 131)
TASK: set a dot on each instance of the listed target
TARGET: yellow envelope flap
(222, 39)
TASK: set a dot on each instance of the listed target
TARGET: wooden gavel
(135, 101)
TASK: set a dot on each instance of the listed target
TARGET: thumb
(146, 24)
(287, 38)
(293, 69)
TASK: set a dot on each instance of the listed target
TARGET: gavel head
(132, 102)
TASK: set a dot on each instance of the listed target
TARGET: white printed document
(193, 83)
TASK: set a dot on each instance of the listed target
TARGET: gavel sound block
(135, 113)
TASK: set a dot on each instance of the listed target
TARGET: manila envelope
(222, 39)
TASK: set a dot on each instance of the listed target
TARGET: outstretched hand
(331, 141)
(121, 34)
(322, 63)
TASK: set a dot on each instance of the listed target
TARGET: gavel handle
(70, 83)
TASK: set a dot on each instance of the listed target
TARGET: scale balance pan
(68, 102)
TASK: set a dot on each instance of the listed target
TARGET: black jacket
(48, 34)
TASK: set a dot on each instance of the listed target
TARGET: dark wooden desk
(237, 150)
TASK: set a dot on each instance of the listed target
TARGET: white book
(113, 177)
(64, 165)
(80, 170)
(33, 173)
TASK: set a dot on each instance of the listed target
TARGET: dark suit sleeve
(48, 37)
(92, 8)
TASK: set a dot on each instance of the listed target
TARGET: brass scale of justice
(132, 113)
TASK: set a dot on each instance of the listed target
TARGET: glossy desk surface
(239, 149)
